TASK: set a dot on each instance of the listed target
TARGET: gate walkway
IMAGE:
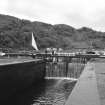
(90, 87)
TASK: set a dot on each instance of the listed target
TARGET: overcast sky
(76, 13)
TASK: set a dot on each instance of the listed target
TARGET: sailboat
(34, 45)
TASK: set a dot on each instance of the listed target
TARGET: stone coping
(9, 61)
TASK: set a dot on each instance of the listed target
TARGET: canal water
(48, 92)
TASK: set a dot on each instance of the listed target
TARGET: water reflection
(47, 92)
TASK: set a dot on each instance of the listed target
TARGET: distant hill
(16, 34)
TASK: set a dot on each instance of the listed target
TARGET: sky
(76, 13)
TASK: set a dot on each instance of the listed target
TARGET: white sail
(34, 43)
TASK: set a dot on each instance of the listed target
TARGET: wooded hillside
(16, 33)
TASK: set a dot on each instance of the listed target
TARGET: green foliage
(16, 34)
